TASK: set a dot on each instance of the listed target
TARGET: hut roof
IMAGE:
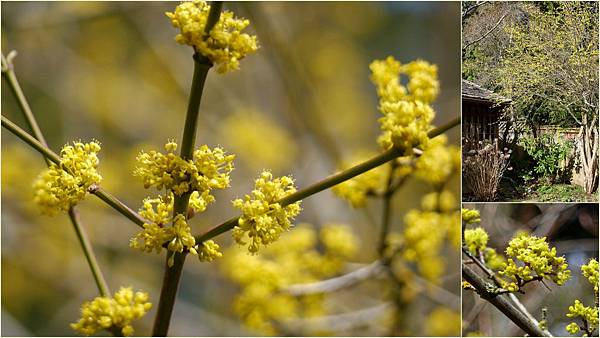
(474, 92)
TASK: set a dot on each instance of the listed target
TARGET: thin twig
(330, 181)
(336, 283)
(53, 157)
(89, 253)
(484, 35)
(340, 322)
(172, 273)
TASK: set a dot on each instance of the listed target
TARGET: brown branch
(502, 303)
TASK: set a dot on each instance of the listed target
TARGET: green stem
(213, 15)
(30, 140)
(168, 293)
(53, 157)
(116, 204)
(9, 75)
(328, 182)
(445, 127)
(172, 273)
(386, 212)
(89, 253)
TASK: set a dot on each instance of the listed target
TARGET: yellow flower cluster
(357, 189)
(538, 261)
(407, 111)
(470, 216)
(209, 169)
(438, 161)
(114, 313)
(225, 44)
(294, 259)
(158, 213)
(263, 219)
(62, 186)
(208, 251)
(425, 232)
(588, 314)
(476, 240)
(590, 271)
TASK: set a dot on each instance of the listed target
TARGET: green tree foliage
(545, 57)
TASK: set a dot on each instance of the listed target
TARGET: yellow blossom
(423, 84)
(158, 215)
(62, 186)
(467, 285)
(590, 271)
(208, 251)
(180, 238)
(538, 261)
(476, 240)
(263, 219)
(587, 314)
(470, 216)
(225, 44)
(114, 313)
(208, 169)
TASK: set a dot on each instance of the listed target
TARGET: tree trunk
(588, 152)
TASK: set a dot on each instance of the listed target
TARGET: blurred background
(571, 228)
(112, 71)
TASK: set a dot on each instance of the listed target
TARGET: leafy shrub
(550, 154)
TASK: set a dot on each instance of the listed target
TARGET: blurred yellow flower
(293, 259)
(407, 114)
(443, 322)
(437, 162)
(424, 237)
(260, 142)
(357, 190)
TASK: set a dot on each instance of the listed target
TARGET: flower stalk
(89, 253)
(172, 273)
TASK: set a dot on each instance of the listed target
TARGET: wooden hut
(482, 112)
